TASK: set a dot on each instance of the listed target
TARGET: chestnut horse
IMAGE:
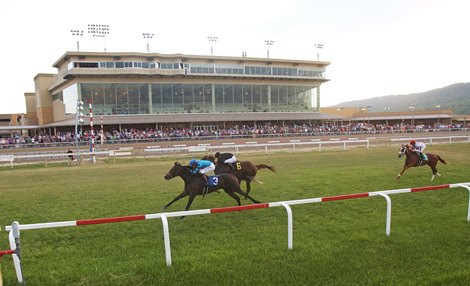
(413, 160)
(194, 185)
(244, 170)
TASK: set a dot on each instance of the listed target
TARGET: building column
(213, 97)
(150, 110)
(269, 98)
(318, 98)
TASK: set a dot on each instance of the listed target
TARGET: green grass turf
(335, 243)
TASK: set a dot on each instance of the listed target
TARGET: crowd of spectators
(269, 130)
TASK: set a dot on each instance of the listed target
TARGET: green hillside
(455, 97)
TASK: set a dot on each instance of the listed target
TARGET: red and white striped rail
(286, 204)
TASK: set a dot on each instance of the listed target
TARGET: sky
(375, 47)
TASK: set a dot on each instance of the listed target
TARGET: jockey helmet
(217, 154)
(412, 142)
(192, 162)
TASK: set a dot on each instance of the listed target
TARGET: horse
(244, 170)
(413, 160)
(194, 185)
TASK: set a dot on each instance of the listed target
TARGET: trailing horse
(414, 160)
(194, 185)
(244, 170)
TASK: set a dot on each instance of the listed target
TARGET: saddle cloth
(212, 181)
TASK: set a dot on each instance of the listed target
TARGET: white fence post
(388, 220)
(166, 239)
(468, 188)
(290, 228)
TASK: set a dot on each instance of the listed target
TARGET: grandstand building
(138, 90)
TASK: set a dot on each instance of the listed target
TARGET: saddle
(423, 158)
(212, 181)
(236, 166)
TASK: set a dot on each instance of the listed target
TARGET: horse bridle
(402, 151)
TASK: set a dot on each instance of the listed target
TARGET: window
(85, 65)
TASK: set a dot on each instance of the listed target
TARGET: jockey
(201, 167)
(418, 147)
(227, 158)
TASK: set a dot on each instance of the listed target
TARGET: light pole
(212, 41)
(77, 33)
(98, 30)
(79, 120)
(269, 43)
(341, 110)
(438, 115)
(148, 36)
(366, 109)
(412, 108)
(387, 109)
(319, 47)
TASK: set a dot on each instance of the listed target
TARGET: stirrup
(205, 191)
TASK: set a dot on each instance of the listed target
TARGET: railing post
(166, 239)
(388, 220)
(14, 239)
(468, 188)
(290, 229)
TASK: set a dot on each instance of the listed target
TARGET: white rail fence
(431, 140)
(182, 148)
(15, 228)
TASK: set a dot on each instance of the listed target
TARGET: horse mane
(209, 158)
(186, 168)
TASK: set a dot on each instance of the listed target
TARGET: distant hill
(455, 97)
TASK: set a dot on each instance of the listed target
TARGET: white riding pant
(231, 160)
(207, 169)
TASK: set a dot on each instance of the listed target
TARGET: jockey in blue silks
(201, 167)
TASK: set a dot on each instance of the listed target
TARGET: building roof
(242, 60)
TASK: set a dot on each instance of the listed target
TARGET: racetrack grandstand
(182, 91)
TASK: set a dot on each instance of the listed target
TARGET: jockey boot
(232, 167)
(204, 177)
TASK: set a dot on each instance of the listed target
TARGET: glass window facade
(207, 68)
(167, 98)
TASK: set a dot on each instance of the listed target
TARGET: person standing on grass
(69, 151)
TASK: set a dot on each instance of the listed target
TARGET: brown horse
(413, 160)
(194, 185)
(244, 170)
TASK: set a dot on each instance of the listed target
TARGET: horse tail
(440, 159)
(253, 179)
(263, 166)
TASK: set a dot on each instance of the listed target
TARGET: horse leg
(190, 201)
(434, 171)
(248, 186)
(402, 171)
(182, 195)
(235, 197)
(239, 190)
